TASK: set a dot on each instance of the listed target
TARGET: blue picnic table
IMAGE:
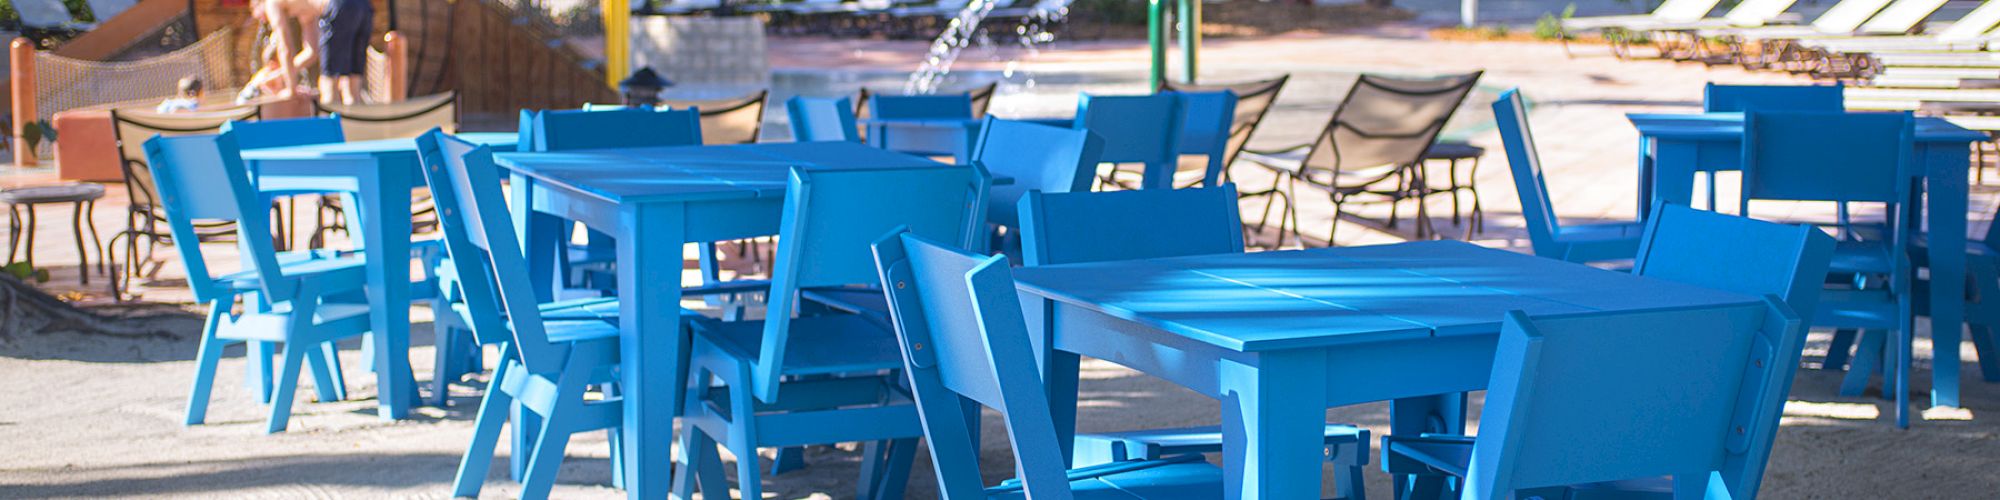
(654, 201)
(1279, 337)
(1672, 147)
(381, 173)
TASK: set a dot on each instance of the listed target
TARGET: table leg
(1673, 173)
(1273, 415)
(541, 237)
(651, 345)
(385, 233)
(1946, 190)
(1646, 161)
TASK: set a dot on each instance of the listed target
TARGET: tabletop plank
(697, 172)
(1291, 299)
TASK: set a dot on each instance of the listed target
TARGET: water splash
(958, 34)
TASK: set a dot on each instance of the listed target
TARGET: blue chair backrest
(1067, 228)
(920, 107)
(1826, 156)
(1038, 158)
(1511, 116)
(1741, 98)
(479, 237)
(964, 338)
(202, 177)
(568, 129)
(286, 132)
(831, 216)
(1613, 396)
(1135, 128)
(1207, 119)
(1751, 257)
(822, 119)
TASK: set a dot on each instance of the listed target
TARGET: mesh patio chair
(1371, 149)
(396, 120)
(729, 121)
(146, 217)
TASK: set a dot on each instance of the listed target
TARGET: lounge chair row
(891, 18)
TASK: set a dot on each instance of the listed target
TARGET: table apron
(1356, 373)
(705, 220)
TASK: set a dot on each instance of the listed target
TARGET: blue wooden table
(381, 173)
(654, 201)
(1672, 147)
(1279, 337)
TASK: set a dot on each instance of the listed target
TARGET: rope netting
(63, 83)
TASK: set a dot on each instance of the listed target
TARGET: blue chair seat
(1874, 257)
(1602, 232)
(1186, 476)
(819, 344)
(1452, 455)
(1857, 309)
(318, 265)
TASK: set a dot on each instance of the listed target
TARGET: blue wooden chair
(964, 342)
(1848, 158)
(794, 379)
(1069, 228)
(565, 129)
(819, 119)
(1602, 399)
(1207, 118)
(549, 354)
(457, 354)
(1740, 98)
(1143, 129)
(1546, 233)
(1711, 250)
(920, 107)
(1038, 158)
(304, 300)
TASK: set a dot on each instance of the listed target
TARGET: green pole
(1156, 37)
(1190, 17)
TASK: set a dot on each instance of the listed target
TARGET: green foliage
(22, 271)
(1549, 27)
(78, 8)
(1497, 31)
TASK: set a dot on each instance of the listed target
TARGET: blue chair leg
(446, 368)
(478, 457)
(323, 384)
(617, 457)
(1904, 344)
(1867, 359)
(896, 477)
(1352, 486)
(1836, 354)
(788, 459)
(331, 352)
(1989, 357)
(542, 467)
(701, 464)
(204, 375)
(288, 383)
(743, 434)
(257, 373)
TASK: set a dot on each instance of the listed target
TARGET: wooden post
(617, 40)
(22, 52)
(398, 50)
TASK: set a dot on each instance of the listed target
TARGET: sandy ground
(85, 416)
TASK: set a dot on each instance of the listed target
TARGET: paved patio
(124, 396)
